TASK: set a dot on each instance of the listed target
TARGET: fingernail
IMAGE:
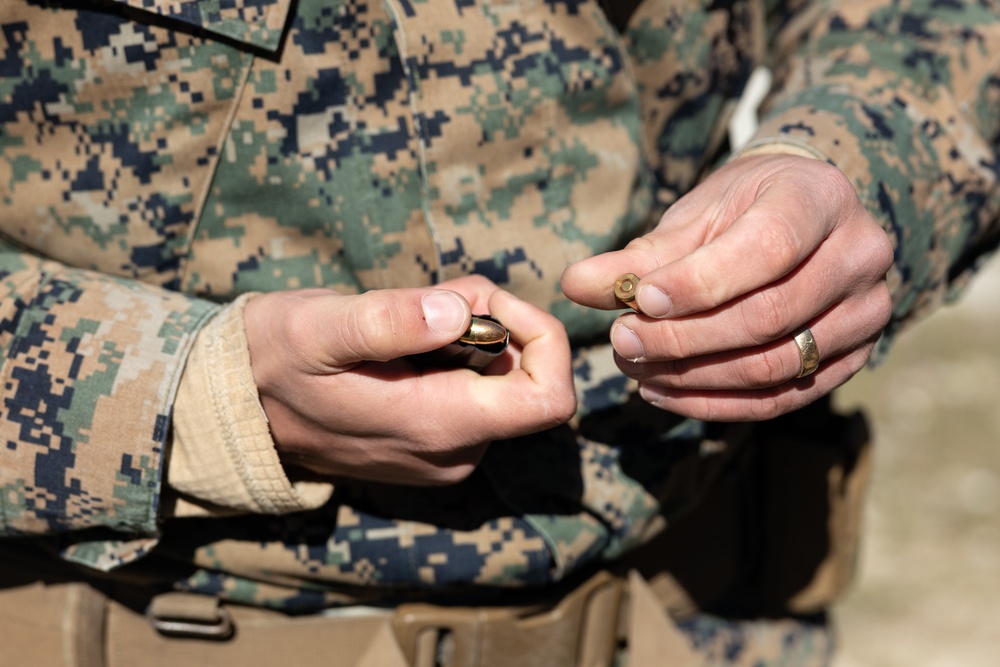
(626, 343)
(653, 301)
(444, 312)
(652, 393)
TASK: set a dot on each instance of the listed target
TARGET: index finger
(539, 393)
(590, 282)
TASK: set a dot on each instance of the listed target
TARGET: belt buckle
(180, 614)
(579, 629)
(430, 635)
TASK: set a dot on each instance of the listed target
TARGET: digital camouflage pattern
(757, 643)
(917, 133)
(151, 169)
(89, 373)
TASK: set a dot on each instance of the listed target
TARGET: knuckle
(882, 303)
(449, 475)
(551, 405)
(779, 243)
(554, 326)
(872, 309)
(693, 408)
(765, 408)
(297, 326)
(883, 253)
(672, 342)
(766, 369)
(676, 374)
(768, 316)
(478, 283)
(368, 328)
(479, 279)
(376, 314)
(644, 244)
(705, 288)
(874, 249)
(444, 460)
(829, 179)
(429, 439)
(563, 413)
(855, 362)
(561, 406)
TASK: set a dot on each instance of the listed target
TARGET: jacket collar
(257, 23)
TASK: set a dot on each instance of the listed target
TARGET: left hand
(766, 247)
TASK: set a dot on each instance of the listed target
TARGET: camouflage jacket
(160, 157)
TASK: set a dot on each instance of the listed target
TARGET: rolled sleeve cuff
(777, 145)
(223, 459)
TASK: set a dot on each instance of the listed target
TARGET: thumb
(380, 325)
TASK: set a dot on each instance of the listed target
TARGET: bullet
(485, 331)
(485, 340)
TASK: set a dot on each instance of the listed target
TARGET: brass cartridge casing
(625, 289)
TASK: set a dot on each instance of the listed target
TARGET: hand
(341, 400)
(765, 247)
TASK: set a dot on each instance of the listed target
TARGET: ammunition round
(485, 331)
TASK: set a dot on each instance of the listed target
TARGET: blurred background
(928, 594)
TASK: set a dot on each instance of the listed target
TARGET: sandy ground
(928, 594)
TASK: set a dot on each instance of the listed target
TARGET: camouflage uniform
(159, 158)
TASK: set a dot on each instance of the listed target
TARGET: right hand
(341, 400)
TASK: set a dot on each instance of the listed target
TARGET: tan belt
(60, 624)
(64, 624)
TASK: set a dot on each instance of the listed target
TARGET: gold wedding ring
(808, 353)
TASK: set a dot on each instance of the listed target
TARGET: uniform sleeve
(904, 99)
(90, 367)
